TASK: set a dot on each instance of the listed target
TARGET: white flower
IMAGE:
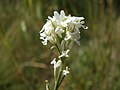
(56, 64)
(66, 71)
(68, 36)
(72, 35)
(59, 31)
(65, 44)
(74, 19)
(64, 53)
(46, 32)
(45, 41)
(52, 39)
(48, 27)
(59, 19)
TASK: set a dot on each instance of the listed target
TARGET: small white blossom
(59, 19)
(56, 64)
(48, 27)
(65, 44)
(72, 35)
(59, 31)
(66, 71)
(64, 53)
(52, 39)
(68, 36)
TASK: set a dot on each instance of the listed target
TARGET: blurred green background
(25, 62)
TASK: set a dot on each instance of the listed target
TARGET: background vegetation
(24, 61)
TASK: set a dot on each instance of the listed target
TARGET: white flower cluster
(62, 29)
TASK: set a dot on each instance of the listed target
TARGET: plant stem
(58, 78)
(62, 78)
(47, 85)
(58, 49)
(60, 81)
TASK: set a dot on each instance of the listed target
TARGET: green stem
(47, 85)
(61, 81)
(55, 76)
(55, 85)
(58, 49)
(58, 78)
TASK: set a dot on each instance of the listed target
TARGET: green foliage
(24, 61)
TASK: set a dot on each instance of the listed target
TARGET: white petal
(64, 54)
(85, 27)
(67, 51)
(41, 37)
(64, 24)
(44, 43)
(62, 13)
(52, 19)
(43, 34)
(58, 63)
(82, 22)
(59, 31)
(66, 71)
(53, 61)
(56, 15)
(52, 47)
(52, 39)
(68, 36)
